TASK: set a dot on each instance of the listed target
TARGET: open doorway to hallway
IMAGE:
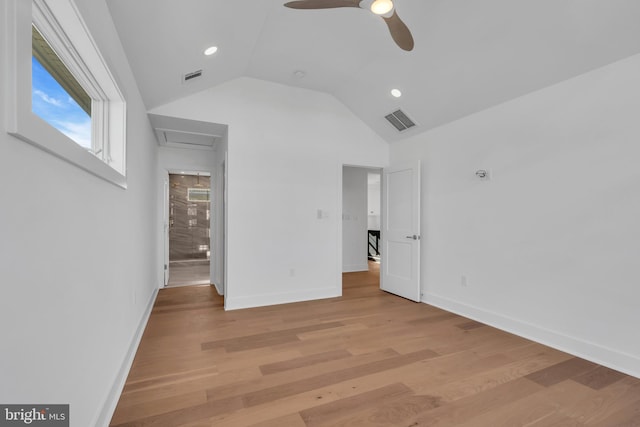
(361, 208)
(374, 206)
(189, 229)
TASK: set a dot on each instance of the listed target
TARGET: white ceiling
(468, 56)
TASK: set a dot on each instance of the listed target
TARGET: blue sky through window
(55, 106)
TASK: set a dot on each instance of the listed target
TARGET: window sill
(62, 147)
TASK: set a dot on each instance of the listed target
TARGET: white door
(401, 232)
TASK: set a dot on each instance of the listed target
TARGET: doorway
(374, 207)
(189, 230)
(361, 213)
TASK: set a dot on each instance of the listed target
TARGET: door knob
(414, 237)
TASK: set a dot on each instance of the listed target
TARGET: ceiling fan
(384, 8)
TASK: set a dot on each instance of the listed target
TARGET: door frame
(165, 223)
(222, 236)
(373, 168)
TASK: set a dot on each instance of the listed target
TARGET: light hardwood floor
(365, 359)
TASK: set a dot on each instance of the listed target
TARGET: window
(198, 194)
(56, 96)
(63, 98)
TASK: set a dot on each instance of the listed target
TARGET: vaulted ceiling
(468, 55)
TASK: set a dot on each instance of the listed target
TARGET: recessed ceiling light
(211, 50)
(396, 93)
(299, 74)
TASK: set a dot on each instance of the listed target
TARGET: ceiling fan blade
(399, 32)
(322, 4)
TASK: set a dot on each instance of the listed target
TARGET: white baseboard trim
(620, 361)
(355, 268)
(219, 288)
(109, 407)
(282, 298)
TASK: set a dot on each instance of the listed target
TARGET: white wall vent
(400, 120)
(190, 76)
(183, 133)
(184, 139)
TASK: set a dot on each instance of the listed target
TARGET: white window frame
(61, 24)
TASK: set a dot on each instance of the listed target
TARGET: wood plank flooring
(365, 359)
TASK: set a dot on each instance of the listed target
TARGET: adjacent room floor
(191, 272)
(367, 359)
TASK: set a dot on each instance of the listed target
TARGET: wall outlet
(463, 281)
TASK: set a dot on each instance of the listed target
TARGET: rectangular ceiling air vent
(190, 76)
(185, 139)
(400, 120)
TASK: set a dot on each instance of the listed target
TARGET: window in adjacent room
(198, 194)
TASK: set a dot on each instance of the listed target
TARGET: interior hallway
(367, 358)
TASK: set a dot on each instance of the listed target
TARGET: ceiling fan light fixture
(385, 9)
(381, 7)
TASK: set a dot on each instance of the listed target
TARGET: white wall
(77, 259)
(550, 245)
(354, 220)
(286, 149)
